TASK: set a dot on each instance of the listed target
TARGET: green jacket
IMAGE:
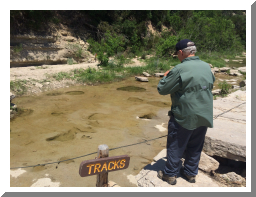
(190, 84)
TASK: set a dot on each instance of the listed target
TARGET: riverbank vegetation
(116, 37)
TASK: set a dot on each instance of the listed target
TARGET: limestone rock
(242, 69)
(207, 163)
(146, 74)
(215, 69)
(224, 69)
(145, 79)
(38, 85)
(210, 65)
(235, 87)
(64, 33)
(12, 96)
(242, 83)
(226, 60)
(81, 42)
(159, 74)
(215, 92)
(233, 72)
(233, 178)
(70, 38)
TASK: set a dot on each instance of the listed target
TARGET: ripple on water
(132, 89)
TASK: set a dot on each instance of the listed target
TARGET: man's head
(185, 48)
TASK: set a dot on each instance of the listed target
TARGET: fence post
(102, 179)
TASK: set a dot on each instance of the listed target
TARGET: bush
(225, 87)
(165, 46)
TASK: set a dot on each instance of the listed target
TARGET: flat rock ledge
(227, 138)
(147, 177)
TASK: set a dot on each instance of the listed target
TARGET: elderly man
(189, 84)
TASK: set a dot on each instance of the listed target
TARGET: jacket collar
(190, 58)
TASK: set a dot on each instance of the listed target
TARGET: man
(190, 84)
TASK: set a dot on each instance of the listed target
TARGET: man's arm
(169, 83)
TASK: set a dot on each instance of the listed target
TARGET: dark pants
(180, 139)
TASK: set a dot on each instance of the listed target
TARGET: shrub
(225, 87)
(165, 46)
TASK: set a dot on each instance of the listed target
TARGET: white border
(160, 5)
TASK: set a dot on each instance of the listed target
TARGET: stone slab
(147, 177)
(144, 79)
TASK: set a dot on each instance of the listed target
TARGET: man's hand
(165, 74)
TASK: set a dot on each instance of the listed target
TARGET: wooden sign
(103, 165)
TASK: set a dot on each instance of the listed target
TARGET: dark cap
(183, 44)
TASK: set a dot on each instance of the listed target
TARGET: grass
(225, 88)
(18, 86)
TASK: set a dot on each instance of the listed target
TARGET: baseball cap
(183, 44)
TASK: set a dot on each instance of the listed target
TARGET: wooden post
(102, 179)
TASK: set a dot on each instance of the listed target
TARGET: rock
(160, 155)
(216, 92)
(233, 72)
(70, 39)
(64, 33)
(12, 96)
(226, 60)
(232, 177)
(38, 85)
(145, 79)
(207, 163)
(210, 65)
(227, 138)
(44, 67)
(159, 74)
(215, 69)
(224, 69)
(235, 87)
(81, 42)
(146, 74)
(235, 60)
(242, 69)
(242, 83)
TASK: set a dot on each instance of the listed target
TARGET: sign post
(102, 179)
(103, 164)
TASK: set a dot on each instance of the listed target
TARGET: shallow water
(74, 121)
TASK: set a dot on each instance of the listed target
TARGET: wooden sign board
(103, 165)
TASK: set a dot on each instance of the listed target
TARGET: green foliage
(244, 75)
(225, 87)
(165, 46)
(211, 33)
(103, 58)
(18, 86)
(62, 75)
(18, 48)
